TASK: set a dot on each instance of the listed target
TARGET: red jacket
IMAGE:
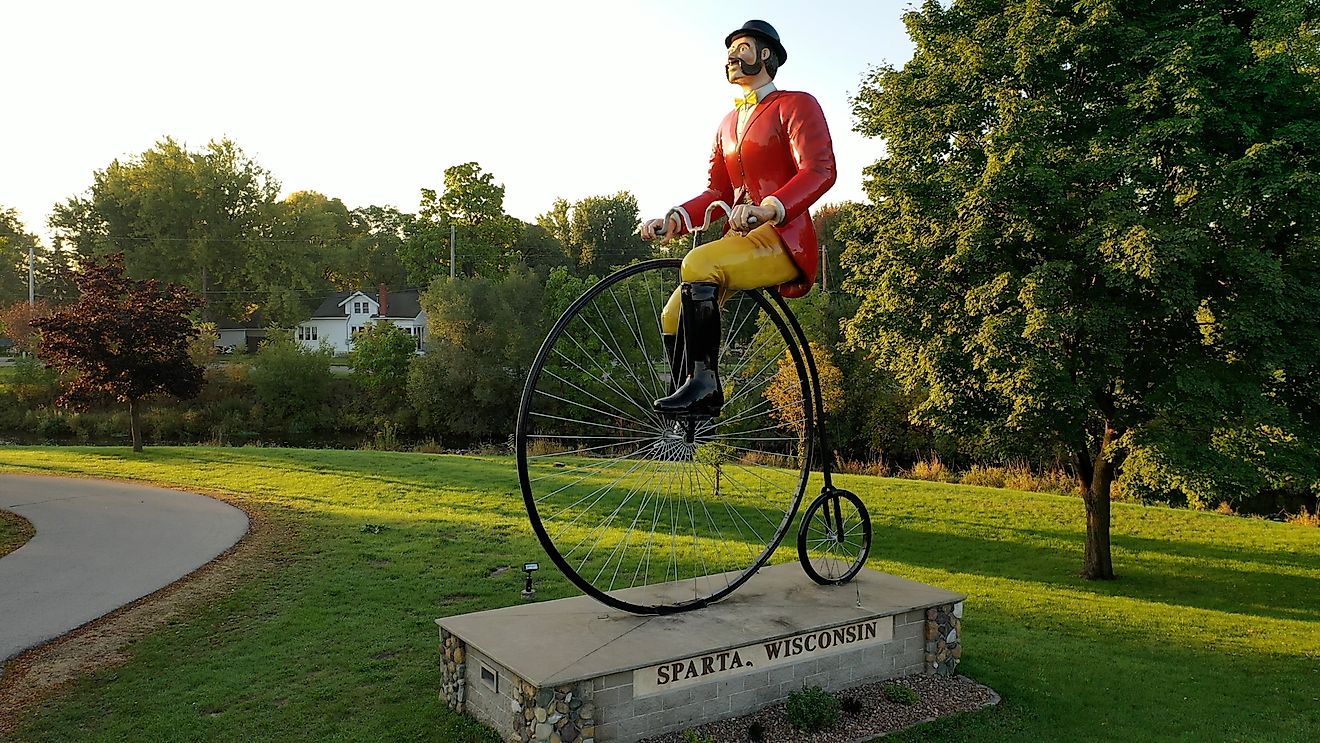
(785, 152)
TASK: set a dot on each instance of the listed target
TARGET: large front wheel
(645, 513)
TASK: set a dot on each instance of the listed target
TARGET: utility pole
(451, 251)
(824, 268)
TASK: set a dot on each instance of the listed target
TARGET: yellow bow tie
(750, 100)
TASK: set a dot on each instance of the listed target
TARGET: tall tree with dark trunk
(124, 339)
(1096, 229)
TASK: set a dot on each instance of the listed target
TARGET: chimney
(384, 301)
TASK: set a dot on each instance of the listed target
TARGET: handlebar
(706, 220)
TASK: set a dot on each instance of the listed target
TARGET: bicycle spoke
(605, 378)
(598, 399)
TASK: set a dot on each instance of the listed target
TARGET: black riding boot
(677, 360)
(702, 394)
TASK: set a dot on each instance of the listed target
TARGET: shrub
(1055, 480)
(386, 438)
(986, 477)
(930, 469)
(812, 709)
(55, 427)
(292, 386)
(1303, 518)
(899, 694)
(874, 467)
(429, 446)
(851, 706)
(756, 732)
(1019, 476)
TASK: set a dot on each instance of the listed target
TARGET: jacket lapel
(757, 110)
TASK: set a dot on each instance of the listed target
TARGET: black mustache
(747, 69)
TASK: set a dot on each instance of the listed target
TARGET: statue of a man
(773, 159)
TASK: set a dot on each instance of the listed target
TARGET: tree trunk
(135, 425)
(1096, 477)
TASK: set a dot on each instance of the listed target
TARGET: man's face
(743, 60)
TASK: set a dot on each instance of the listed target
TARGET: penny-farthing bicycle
(655, 515)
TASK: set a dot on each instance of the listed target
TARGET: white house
(345, 314)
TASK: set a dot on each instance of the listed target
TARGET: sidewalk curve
(99, 545)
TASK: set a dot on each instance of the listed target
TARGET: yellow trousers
(735, 262)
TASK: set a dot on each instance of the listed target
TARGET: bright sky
(370, 102)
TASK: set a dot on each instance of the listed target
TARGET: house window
(307, 332)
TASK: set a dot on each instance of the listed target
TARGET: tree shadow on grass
(1189, 579)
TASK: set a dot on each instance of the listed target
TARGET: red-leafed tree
(124, 339)
(16, 323)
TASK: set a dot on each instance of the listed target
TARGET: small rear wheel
(835, 537)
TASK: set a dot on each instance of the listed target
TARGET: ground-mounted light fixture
(528, 592)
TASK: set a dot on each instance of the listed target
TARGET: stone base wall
(943, 639)
(608, 709)
(453, 661)
(565, 714)
(608, 677)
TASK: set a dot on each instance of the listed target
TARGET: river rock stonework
(453, 658)
(943, 639)
(564, 714)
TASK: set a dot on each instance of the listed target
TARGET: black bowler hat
(763, 31)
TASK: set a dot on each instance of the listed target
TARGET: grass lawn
(1211, 633)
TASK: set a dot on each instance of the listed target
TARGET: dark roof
(403, 303)
(252, 322)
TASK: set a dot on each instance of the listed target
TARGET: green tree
(186, 217)
(538, 249)
(372, 255)
(74, 237)
(872, 422)
(289, 267)
(292, 386)
(15, 242)
(381, 353)
(1095, 230)
(558, 223)
(483, 335)
(473, 203)
(124, 339)
(598, 232)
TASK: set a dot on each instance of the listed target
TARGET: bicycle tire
(832, 555)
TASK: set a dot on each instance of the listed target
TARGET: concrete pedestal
(575, 671)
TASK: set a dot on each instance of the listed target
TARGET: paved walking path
(99, 545)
